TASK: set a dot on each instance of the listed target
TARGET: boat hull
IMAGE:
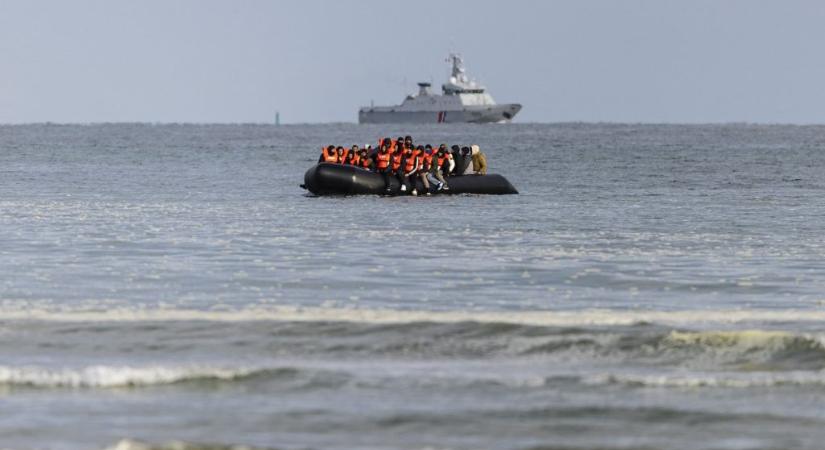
(468, 114)
(337, 179)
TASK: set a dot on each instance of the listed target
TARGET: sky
(691, 61)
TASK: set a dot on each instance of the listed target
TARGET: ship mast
(459, 82)
(458, 72)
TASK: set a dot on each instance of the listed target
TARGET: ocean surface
(652, 287)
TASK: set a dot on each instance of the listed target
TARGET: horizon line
(441, 125)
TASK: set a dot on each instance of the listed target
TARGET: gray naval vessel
(463, 100)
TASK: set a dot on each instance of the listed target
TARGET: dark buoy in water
(339, 179)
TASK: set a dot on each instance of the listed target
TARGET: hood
(474, 149)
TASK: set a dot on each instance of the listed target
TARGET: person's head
(331, 149)
(420, 149)
(465, 151)
(442, 150)
(428, 147)
(340, 150)
(455, 149)
(387, 141)
(384, 148)
(362, 153)
(442, 147)
(355, 148)
(474, 149)
(408, 140)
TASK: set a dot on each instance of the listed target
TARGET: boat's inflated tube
(338, 179)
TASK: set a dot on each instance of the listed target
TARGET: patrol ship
(463, 100)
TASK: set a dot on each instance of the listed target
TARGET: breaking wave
(725, 380)
(124, 377)
(130, 444)
(703, 358)
(593, 317)
(739, 350)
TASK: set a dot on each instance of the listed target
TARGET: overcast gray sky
(318, 61)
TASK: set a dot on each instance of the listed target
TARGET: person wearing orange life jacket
(426, 156)
(388, 142)
(424, 162)
(395, 166)
(383, 165)
(364, 160)
(399, 145)
(352, 157)
(329, 155)
(410, 165)
(341, 154)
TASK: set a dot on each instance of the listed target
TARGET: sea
(172, 287)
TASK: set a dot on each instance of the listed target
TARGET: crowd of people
(408, 162)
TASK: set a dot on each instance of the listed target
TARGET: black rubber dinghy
(338, 179)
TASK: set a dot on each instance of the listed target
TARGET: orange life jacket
(440, 159)
(330, 158)
(396, 160)
(364, 162)
(382, 160)
(426, 161)
(410, 162)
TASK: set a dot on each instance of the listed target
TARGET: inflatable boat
(338, 179)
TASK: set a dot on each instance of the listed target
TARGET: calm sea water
(653, 286)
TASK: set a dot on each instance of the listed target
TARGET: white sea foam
(130, 444)
(390, 316)
(112, 376)
(712, 380)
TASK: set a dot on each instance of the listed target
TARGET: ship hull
(337, 179)
(470, 114)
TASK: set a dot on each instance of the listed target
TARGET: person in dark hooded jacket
(463, 162)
